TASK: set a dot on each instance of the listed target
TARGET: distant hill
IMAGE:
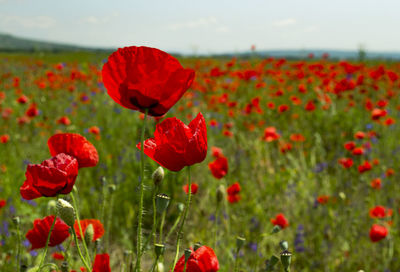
(10, 43)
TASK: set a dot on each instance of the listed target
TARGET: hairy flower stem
(79, 251)
(153, 230)
(187, 206)
(80, 227)
(139, 229)
(47, 242)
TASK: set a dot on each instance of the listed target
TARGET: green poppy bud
(284, 245)
(159, 250)
(66, 212)
(89, 234)
(158, 176)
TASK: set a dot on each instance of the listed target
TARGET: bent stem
(80, 227)
(187, 206)
(79, 250)
(141, 184)
(47, 242)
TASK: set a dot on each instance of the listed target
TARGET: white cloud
(285, 22)
(28, 22)
(310, 29)
(95, 20)
(207, 22)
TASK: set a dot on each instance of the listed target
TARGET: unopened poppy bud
(188, 252)
(51, 206)
(197, 246)
(16, 220)
(158, 176)
(159, 249)
(181, 207)
(272, 262)
(64, 267)
(240, 242)
(162, 202)
(276, 229)
(111, 188)
(66, 212)
(220, 193)
(284, 245)
(89, 234)
(286, 259)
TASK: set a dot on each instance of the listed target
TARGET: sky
(208, 26)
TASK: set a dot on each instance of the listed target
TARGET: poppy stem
(141, 184)
(79, 250)
(162, 226)
(187, 206)
(47, 242)
(18, 244)
(79, 226)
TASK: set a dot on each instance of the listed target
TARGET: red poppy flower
(41, 228)
(75, 145)
(376, 114)
(280, 220)
(193, 188)
(350, 145)
(366, 166)
(32, 111)
(380, 212)
(297, 138)
(358, 151)
(233, 193)
(201, 260)
(140, 78)
(3, 202)
(64, 120)
(216, 152)
(377, 232)
(376, 183)
(323, 199)
(346, 162)
(50, 178)
(219, 167)
(94, 130)
(101, 263)
(176, 145)
(270, 134)
(97, 227)
(4, 138)
(58, 256)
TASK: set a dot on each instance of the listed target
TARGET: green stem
(153, 230)
(18, 247)
(162, 225)
(79, 250)
(47, 242)
(187, 206)
(173, 226)
(140, 219)
(237, 261)
(80, 227)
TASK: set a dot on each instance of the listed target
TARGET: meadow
(312, 151)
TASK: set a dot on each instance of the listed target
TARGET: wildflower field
(266, 164)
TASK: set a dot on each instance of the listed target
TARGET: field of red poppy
(292, 164)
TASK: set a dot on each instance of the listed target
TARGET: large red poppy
(41, 228)
(50, 178)
(75, 145)
(101, 263)
(201, 260)
(141, 78)
(176, 145)
(97, 227)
